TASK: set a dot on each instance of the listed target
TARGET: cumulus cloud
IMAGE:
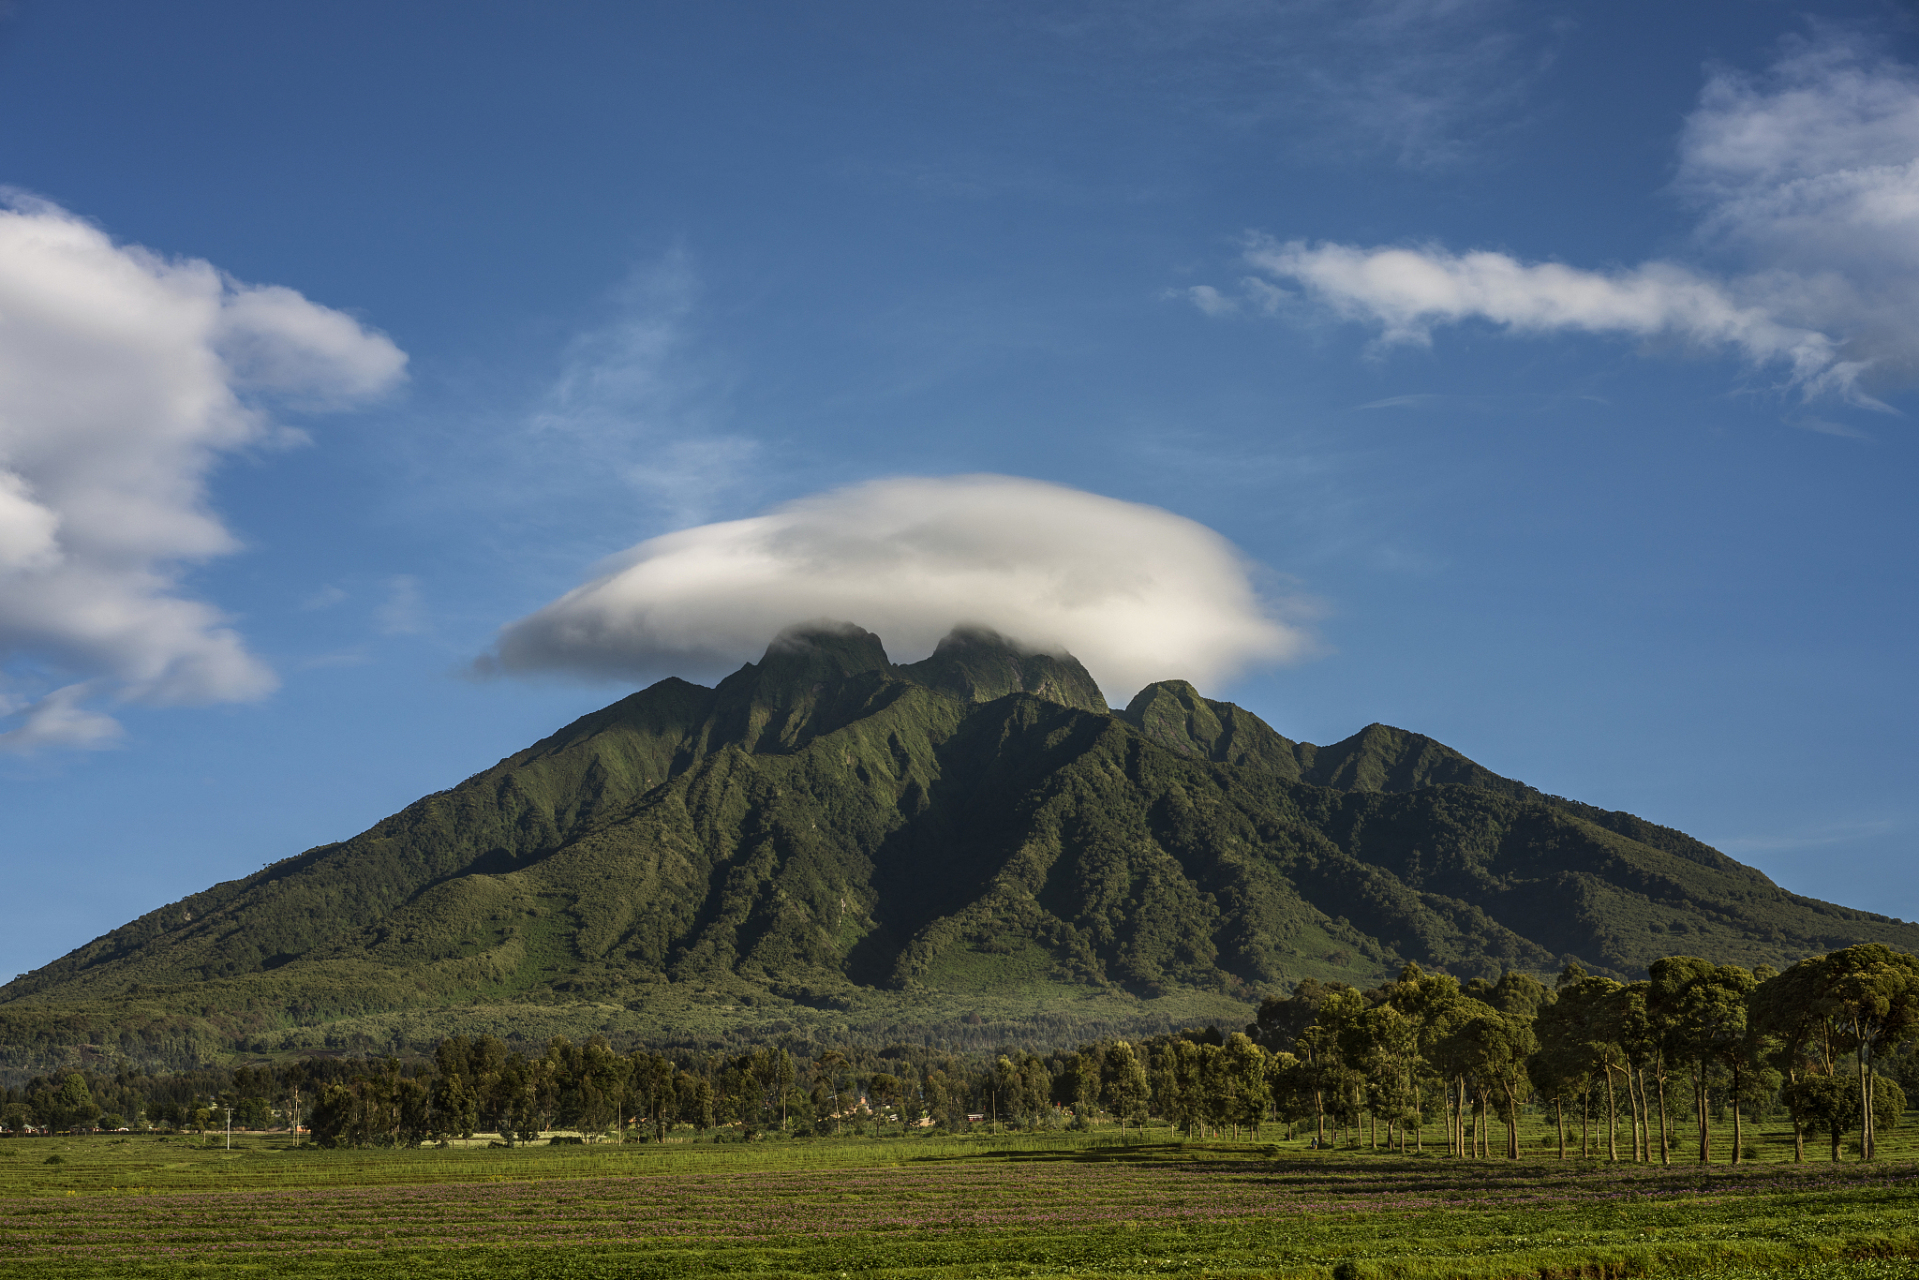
(1135, 592)
(1805, 182)
(123, 378)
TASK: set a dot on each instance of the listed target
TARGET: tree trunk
(1865, 1100)
(1612, 1122)
(1665, 1125)
(1705, 1117)
(1559, 1122)
(1642, 1124)
(1738, 1130)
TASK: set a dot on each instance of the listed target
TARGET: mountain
(830, 842)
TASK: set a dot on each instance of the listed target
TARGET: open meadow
(1031, 1205)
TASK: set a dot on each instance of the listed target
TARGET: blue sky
(1551, 365)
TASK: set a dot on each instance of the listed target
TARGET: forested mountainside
(827, 838)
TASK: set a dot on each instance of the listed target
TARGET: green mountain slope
(827, 839)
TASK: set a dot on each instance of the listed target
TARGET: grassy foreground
(1048, 1205)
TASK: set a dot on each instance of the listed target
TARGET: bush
(1347, 1270)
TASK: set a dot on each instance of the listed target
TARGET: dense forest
(831, 846)
(1421, 1061)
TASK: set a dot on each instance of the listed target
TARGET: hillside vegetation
(829, 840)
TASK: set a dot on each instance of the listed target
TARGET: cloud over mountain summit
(1135, 592)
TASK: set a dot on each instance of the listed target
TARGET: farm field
(1040, 1205)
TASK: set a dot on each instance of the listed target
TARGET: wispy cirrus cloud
(1427, 82)
(632, 398)
(1805, 183)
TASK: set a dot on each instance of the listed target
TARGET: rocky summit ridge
(828, 839)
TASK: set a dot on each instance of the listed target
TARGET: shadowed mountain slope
(829, 840)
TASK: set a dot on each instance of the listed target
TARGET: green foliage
(972, 846)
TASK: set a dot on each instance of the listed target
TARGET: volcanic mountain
(831, 842)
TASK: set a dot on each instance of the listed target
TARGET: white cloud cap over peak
(123, 377)
(1135, 592)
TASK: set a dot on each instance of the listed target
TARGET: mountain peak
(1383, 758)
(978, 664)
(823, 650)
(1175, 715)
(770, 702)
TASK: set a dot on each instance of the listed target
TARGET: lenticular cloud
(1135, 592)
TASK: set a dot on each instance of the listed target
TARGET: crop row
(993, 1198)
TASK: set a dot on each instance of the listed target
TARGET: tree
(455, 1109)
(885, 1091)
(1434, 1004)
(1078, 1084)
(1034, 1089)
(946, 1099)
(1832, 1103)
(1334, 1032)
(826, 1070)
(294, 1081)
(653, 1080)
(1579, 1036)
(1496, 1047)
(1004, 1082)
(1558, 1071)
(1178, 1092)
(602, 1085)
(1244, 1066)
(1787, 1015)
(1123, 1084)
(1872, 992)
(70, 1106)
(1279, 1022)
(1700, 1010)
(1455, 1056)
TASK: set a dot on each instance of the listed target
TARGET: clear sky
(1550, 365)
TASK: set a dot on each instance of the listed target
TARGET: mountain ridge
(828, 835)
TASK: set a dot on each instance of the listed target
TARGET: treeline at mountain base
(1677, 1066)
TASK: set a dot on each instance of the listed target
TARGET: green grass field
(1042, 1205)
